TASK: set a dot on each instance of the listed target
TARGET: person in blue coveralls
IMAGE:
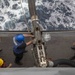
(19, 46)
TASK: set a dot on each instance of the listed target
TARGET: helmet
(20, 37)
(1, 62)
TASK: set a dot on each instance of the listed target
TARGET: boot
(19, 63)
(0, 50)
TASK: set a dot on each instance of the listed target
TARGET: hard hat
(1, 62)
(20, 37)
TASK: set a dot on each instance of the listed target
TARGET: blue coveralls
(18, 49)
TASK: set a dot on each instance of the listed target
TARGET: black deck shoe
(73, 47)
(0, 50)
(25, 51)
(19, 63)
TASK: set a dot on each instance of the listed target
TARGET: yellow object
(1, 62)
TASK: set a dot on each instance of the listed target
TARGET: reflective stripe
(14, 41)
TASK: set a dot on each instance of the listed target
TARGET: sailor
(20, 45)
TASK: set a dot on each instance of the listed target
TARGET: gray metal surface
(58, 47)
(38, 71)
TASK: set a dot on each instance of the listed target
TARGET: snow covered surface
(53, 14)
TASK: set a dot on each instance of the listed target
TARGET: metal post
(38, 44)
